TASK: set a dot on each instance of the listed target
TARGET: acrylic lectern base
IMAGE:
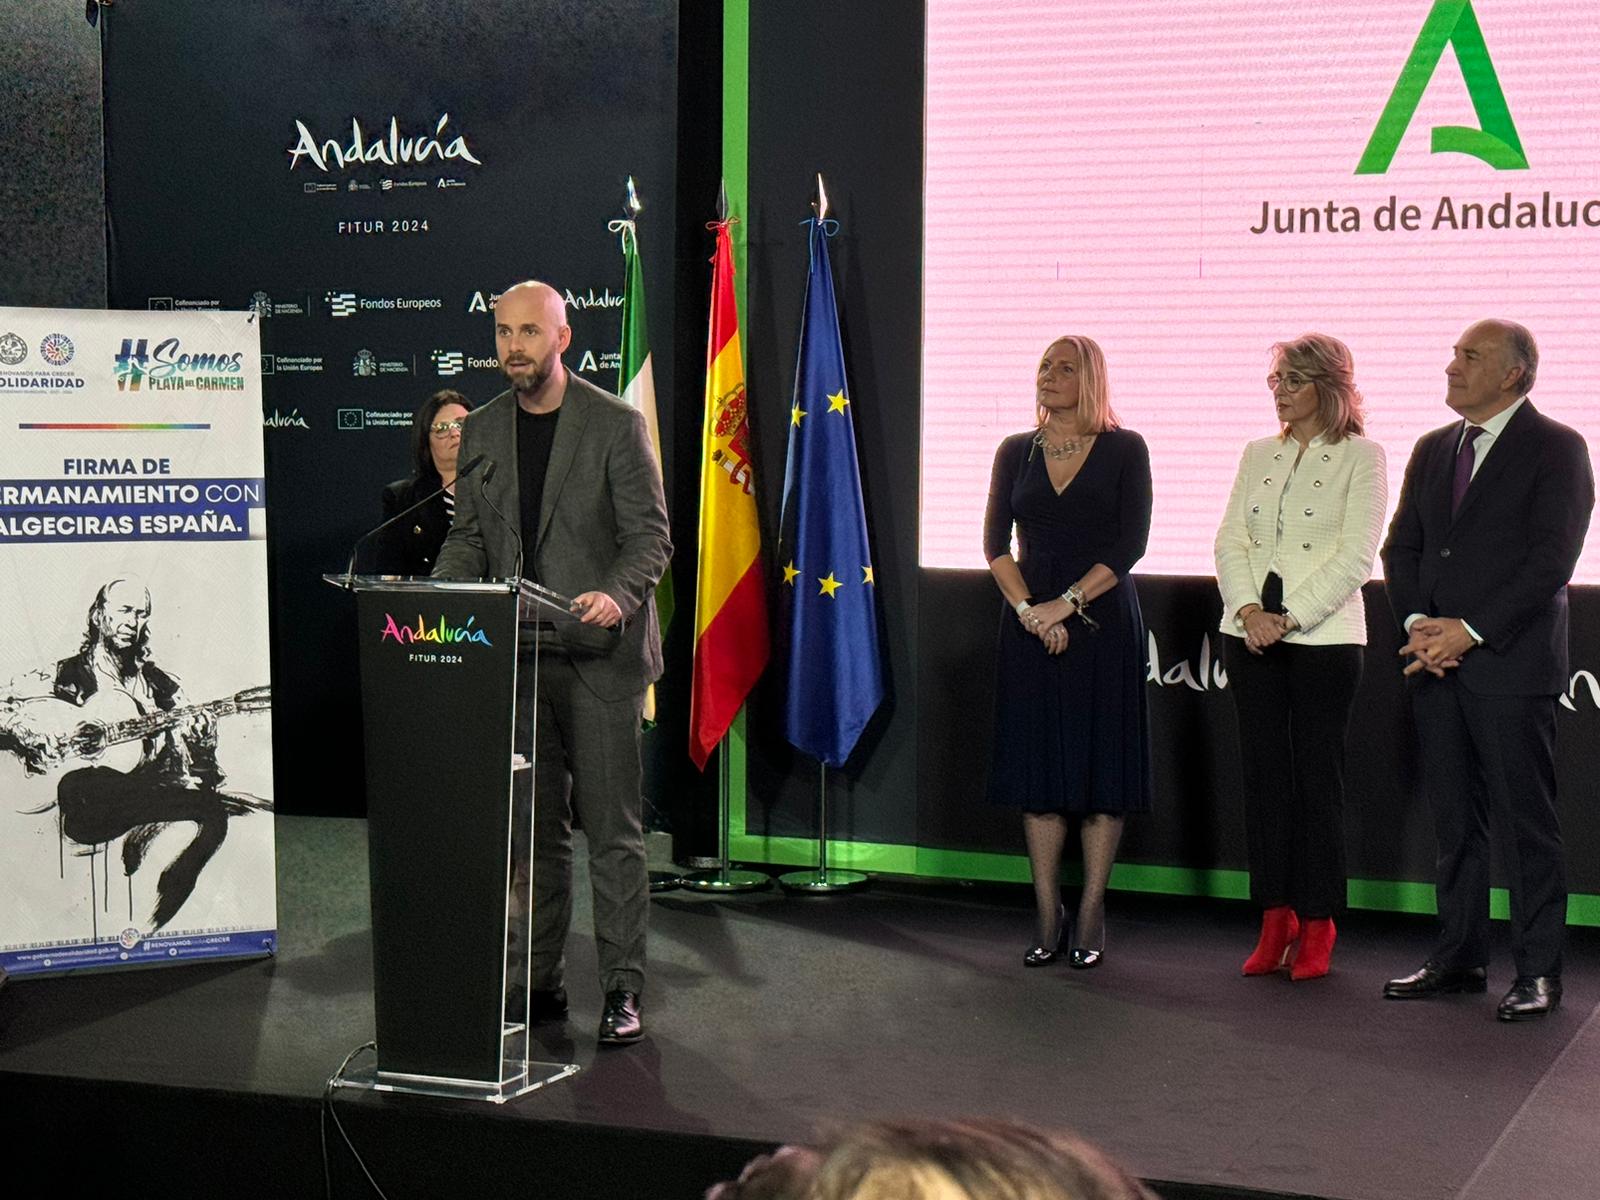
(517, 1077)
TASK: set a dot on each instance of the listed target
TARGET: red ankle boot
(1316, 947)
(1279, 928)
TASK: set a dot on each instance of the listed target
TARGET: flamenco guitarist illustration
(111, 694)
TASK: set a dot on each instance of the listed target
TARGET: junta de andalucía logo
(1450, 23)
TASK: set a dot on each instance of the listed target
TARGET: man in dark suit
(1491, 521)
(574, 499)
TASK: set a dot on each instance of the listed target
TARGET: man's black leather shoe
(620, 1023)
(1530, 996)
(1434, 980)
(547, 1006)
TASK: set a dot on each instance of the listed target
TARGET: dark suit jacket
(409, 547)
(602, 526)
(1503, 561)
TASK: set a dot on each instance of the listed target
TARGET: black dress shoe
(1082, 958)
(1436, 980)
(620, 1023)
(547, 1006)
(1531, 996)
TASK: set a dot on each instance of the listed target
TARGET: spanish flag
(730, 611)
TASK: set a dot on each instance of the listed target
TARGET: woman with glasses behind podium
(411, 544)
(1296, 543)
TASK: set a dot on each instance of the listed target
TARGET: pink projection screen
(1188, 183)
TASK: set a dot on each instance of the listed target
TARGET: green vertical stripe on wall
(736, 178)
(736, 133)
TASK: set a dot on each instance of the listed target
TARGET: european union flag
(835, 667)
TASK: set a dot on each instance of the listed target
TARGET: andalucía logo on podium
(1451, 23)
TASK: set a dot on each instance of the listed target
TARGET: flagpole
(824, 739)
(823, 880)
(725, 393)
(724, 880)
(633, 375)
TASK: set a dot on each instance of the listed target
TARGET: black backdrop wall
(368, 176)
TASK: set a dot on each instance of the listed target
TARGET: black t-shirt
(536, 433)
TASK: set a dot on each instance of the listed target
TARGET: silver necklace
(1069, 447)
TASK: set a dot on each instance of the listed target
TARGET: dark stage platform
(770, 1016)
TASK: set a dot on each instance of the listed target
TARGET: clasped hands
(1048, 623)
(1436, 644)
(1263, 629)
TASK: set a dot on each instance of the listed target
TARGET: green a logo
(1451, 23)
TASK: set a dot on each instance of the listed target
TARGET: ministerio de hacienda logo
(1450, 24)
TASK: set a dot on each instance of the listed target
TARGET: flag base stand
(664, 881)
(822, 881)
(725, 881)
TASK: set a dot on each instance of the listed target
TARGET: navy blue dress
(1072, 731)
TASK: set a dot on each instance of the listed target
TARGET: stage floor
(770, 1016)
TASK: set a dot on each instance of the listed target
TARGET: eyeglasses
(445, 427)
(1294, 381)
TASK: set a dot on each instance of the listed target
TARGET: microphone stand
(350, 567)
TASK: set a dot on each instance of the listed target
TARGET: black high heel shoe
(1042, 955)
(1082, 958)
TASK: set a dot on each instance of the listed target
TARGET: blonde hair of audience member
(967, 1160)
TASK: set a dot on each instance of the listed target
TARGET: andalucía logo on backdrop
(395, 150)
(1450, 23)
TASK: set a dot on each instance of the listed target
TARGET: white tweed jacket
(1333, 511)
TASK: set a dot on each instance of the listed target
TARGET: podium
(449, 845)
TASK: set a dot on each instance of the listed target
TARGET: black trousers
(1484, 754)
(588, 765)
(1294, 710)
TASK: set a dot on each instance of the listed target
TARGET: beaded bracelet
(1074, 596)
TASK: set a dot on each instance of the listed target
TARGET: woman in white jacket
(1295, 546)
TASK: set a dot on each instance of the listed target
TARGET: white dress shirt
(1492, 429)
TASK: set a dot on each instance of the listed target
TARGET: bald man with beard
(576, 498)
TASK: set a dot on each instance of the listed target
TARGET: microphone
(473, 464)
(483, 490)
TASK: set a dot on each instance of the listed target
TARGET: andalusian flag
(636, 381)
(730, 612)
(830, 607)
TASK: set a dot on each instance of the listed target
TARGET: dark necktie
(1464, 460)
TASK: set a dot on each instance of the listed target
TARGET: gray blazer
(602, 526)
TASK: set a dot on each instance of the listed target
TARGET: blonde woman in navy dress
(1295, 546)
(1072, 732)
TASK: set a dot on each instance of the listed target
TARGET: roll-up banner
(135, 709)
